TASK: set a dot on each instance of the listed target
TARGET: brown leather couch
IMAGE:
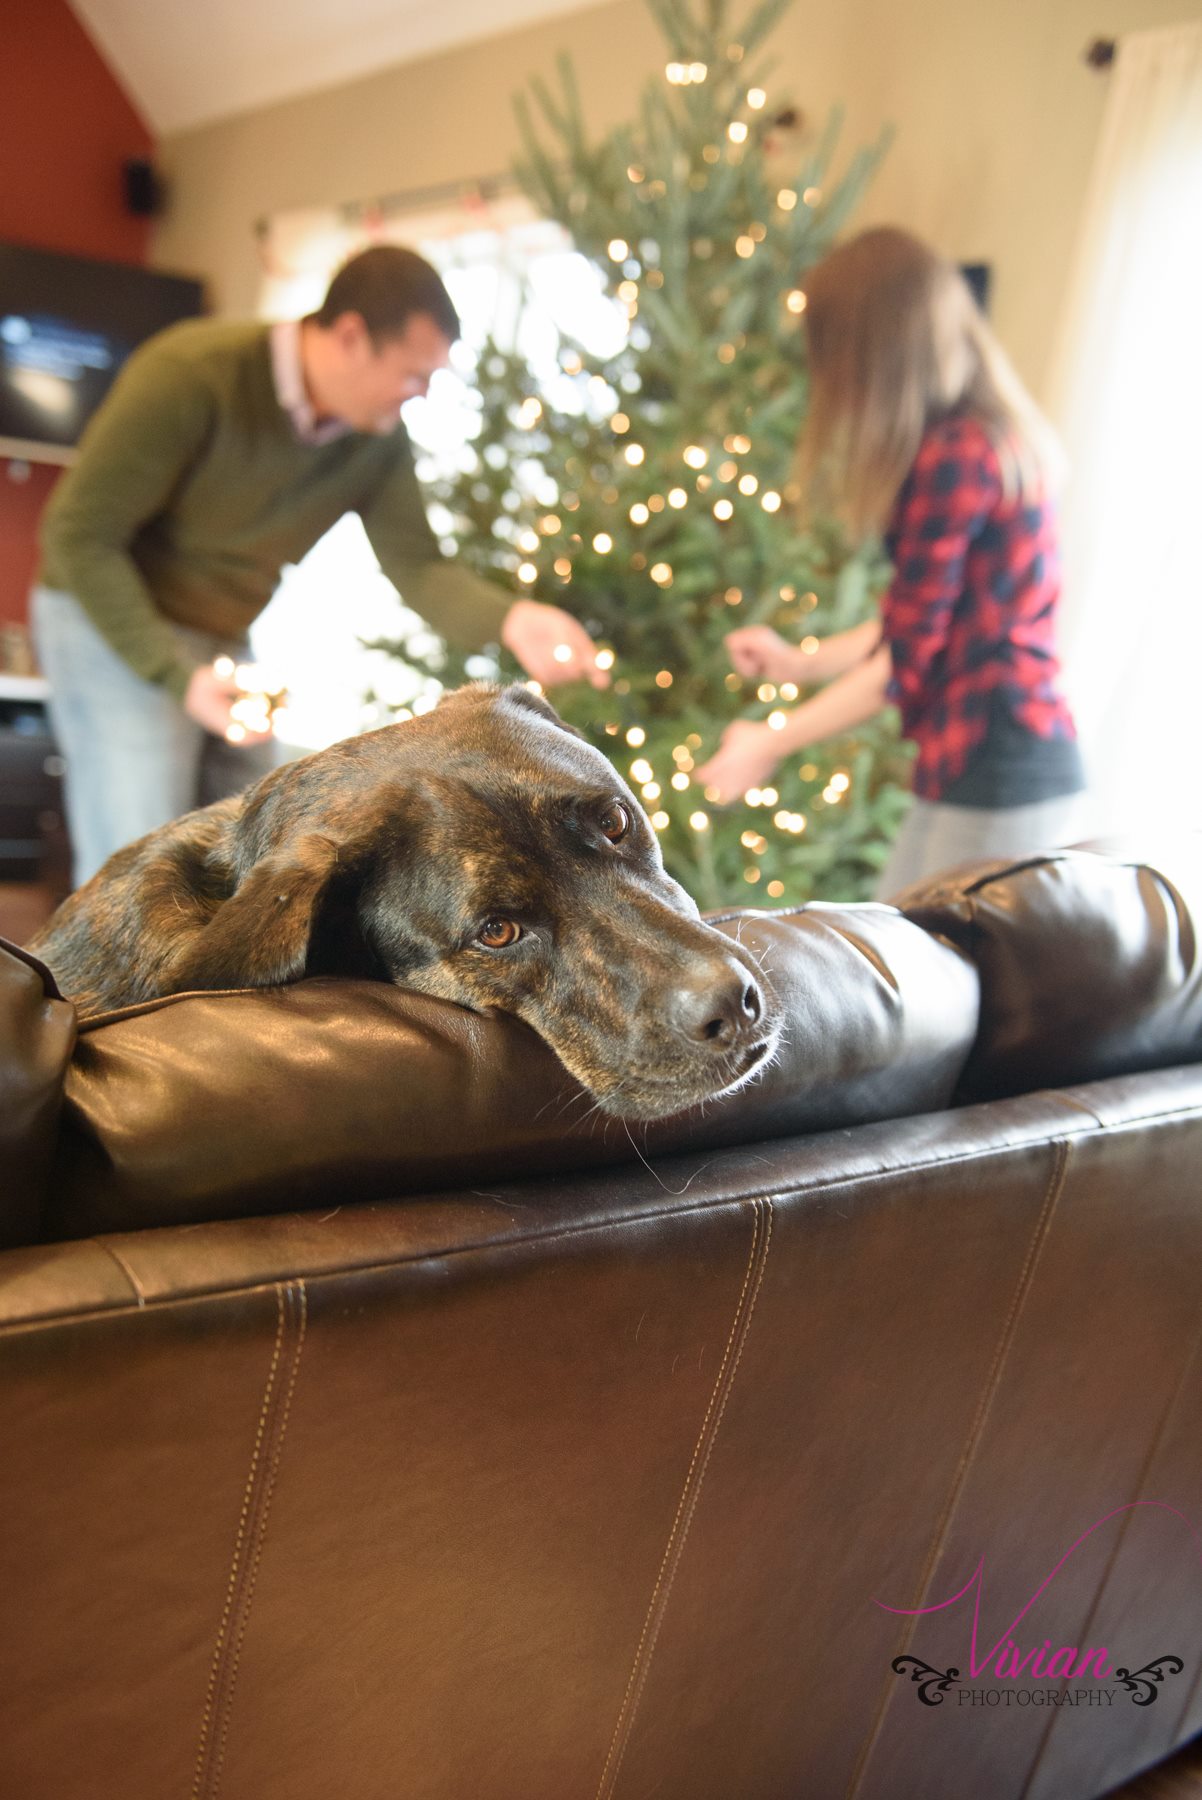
(373, 1425)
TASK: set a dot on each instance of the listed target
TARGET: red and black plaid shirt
(971, 607)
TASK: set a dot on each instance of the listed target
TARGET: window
(512, 277)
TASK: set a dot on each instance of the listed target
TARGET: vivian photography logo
(1013, 1671)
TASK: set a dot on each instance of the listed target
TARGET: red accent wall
(66, 127)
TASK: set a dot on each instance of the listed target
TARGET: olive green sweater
(191, 491)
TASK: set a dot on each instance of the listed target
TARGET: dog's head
(485, 854)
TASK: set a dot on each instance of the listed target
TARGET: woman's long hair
(896, 343)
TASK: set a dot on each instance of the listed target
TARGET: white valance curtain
(1127, 393)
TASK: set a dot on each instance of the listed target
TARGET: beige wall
(997, 118)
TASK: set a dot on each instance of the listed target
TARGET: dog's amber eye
(498, 934)
(615, 823)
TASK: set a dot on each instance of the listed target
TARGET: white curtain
(1127, 394)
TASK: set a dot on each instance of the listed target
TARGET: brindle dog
(484, 853)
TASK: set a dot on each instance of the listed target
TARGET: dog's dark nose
(721, 1012)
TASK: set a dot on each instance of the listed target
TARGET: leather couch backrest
(226, 1105)
(37, 1034)
(1089, 963)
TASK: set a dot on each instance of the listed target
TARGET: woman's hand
(746, 758)
(761, 654)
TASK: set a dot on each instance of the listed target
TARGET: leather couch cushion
(213, 1106)
(1088, 959)
(37, 1033)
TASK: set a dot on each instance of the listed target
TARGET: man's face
(377, 380)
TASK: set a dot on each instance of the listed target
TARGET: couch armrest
(37, 1036)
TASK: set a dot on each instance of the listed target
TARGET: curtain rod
(472, 188)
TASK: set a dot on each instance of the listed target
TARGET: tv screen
(66, 326)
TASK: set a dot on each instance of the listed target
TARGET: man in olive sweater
(223, 452)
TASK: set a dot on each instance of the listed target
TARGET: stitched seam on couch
(757, 1261)
(989, 1387)
(291, 1319)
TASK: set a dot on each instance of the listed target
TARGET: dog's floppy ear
(260, 936)
(521, 696)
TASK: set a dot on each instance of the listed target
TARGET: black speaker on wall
(144, 189)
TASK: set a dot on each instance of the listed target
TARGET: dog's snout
(722, 1011)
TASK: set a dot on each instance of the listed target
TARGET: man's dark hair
(386, 285)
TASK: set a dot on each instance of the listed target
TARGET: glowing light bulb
(661, 573)
(736, 131)
(664, 678)
(660, 820)
(748, 484)
(695, 456)
(603, 543)
(641, 769)
(699, 821)
(770, 501)
(604, 659)
(744, 246)
(634, 454)
(756, 98)
(786, 199)
(777, 721)
(677, 497)
(527, 572)
(723, 509)
(639, 514)
(619, 249)
(636, 736)
(796, 301)
(680, 781)
(619, 423)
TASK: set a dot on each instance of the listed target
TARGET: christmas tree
(649, 492)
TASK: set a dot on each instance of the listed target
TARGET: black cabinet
(32, 831)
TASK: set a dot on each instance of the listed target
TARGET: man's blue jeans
(134, 757)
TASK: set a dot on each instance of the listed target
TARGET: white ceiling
(185, 62)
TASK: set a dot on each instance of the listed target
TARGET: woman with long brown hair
(919, 429)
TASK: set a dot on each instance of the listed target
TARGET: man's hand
(746, 758)
(761, 654)
(551, 645)
(216, 700)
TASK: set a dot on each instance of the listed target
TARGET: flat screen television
(67, 324)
